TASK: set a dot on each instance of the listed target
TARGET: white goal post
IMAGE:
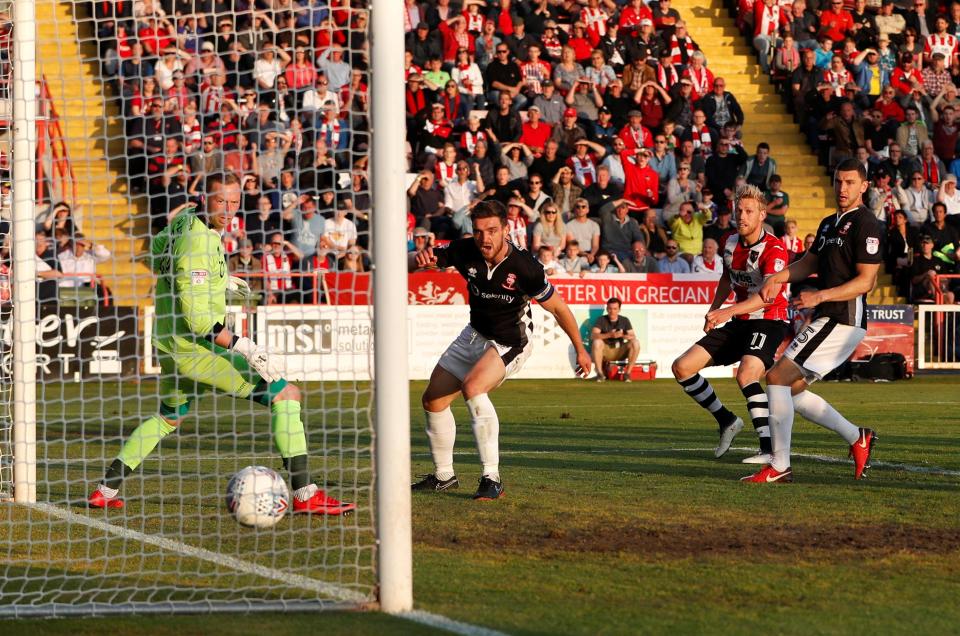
(69, 399)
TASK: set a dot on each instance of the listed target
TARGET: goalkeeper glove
(240, 287)
(268, 366)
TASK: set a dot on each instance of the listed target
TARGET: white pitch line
(294, 580)
(450, 625)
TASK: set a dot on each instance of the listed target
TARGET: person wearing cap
(924, 271)
(422, 239)
(602, 131)
(585, 99)
(568, 132)
(642, 186)
(634, 134)
(645, 44)
(614, 47)
(519, 42)
(267, 67)
(535, 132)
(423, 43)
(244, 262)
(203, 65)
(905, 78)
(936, 75)
(619, 230)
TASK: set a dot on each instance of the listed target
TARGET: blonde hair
(748, 192)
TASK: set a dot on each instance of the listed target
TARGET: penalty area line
(448, 624)
(330, 590)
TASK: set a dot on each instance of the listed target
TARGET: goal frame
(392, 500)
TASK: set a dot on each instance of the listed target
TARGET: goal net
(138, 104)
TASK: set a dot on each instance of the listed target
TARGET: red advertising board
(445, 288)
(889, 330)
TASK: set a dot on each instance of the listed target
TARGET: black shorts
(738, 338)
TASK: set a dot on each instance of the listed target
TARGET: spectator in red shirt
(300, 74)
(889, 107)
(635, 134)
(836, 22)
(642, 182)
(905, 78)
(535, 132)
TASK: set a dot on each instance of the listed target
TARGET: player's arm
(717, 317)
(719, 296)
(860, 284)
(193, 286)
(564, 317)
(801, 269)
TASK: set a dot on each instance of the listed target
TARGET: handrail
(936, 284)
(317, 277)
(94, 278)
(61, 164)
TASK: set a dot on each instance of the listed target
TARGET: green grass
(617, 519)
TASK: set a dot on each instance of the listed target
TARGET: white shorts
(822, 346)
(469, 346)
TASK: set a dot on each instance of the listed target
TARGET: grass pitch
(616, 520)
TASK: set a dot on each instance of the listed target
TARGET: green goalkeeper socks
(290, 440)
(143, 440)
(288, 436)
(140, 444)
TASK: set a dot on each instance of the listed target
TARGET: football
(258, 497)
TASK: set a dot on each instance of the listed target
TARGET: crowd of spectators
(598, 123)
(272, 91)
(877, 80)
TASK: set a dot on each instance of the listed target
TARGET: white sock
(108, 492)
(486, 430)
(781, 424)
(817, 410)
(303, 494)
(442, 432)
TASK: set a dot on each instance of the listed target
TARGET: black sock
(299, 471)
(115, 474)
(697, 387)
(760, 414)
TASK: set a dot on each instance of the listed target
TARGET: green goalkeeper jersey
(187, 257)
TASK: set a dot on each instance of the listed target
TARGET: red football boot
(98, 500)
(768, 475)
(860, 451)
(321, 504)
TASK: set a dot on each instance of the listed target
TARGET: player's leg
(174, 404)
(442, 390)
(713, 349)
(760, 342)
(444, 386)
(486, 375)
(749, 372)
(780, 380)
(597, 347)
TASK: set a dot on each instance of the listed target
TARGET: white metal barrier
(937, 343)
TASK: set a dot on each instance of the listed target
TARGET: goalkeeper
(196, 351)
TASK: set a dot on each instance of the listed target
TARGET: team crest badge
(511, 283)
(843, 232)
(873, 245)
(472, 272)
(778, 264)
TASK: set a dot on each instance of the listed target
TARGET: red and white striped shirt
(946, 44)
(445, 172)
(678, 47)
(702, 81)
(749, 265)
(273, 264)
(584, 168)
(596, 21)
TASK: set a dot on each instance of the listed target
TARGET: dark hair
(490, 209)
(614, 300)
(763, 146)
(852, 165)
(941, 205)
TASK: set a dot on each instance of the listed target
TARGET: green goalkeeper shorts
(188, 373)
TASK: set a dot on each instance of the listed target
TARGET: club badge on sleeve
(873, 245)
(198, 276)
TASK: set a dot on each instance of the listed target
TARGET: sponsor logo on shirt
(198, 276)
